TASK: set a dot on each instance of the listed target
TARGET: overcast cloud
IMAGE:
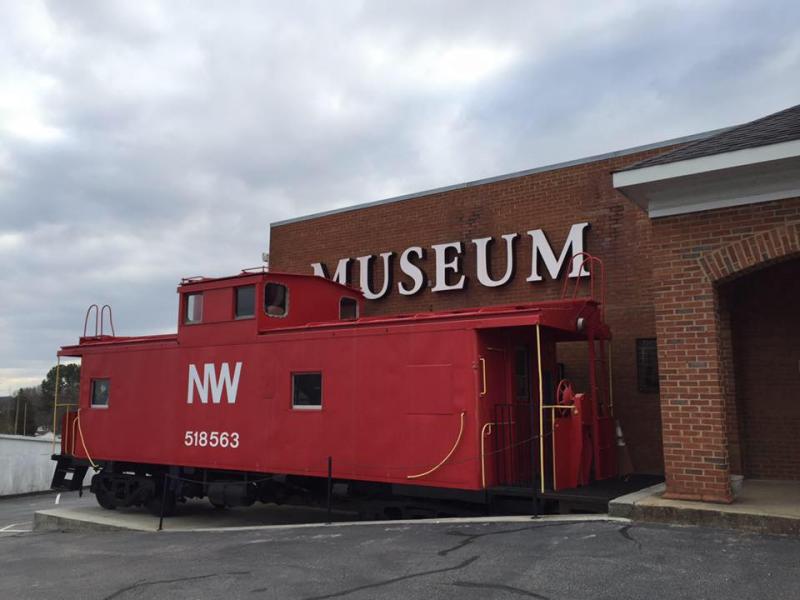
(145, 141)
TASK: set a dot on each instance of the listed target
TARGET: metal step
(68, 475)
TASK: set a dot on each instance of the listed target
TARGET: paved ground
(552, 560)
(16, 513)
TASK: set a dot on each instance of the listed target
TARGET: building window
(245, 301)
(193, 309)
(100, 393)
(647, 365)
(307, 390)
(348, 309)
(275, 299)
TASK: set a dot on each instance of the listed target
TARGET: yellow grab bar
(541, 407)
(449, 454)
(486, 430)
(55, 406)
(483, 376)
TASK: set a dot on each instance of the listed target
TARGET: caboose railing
(99, 320)
(597, 290)
(57, 405)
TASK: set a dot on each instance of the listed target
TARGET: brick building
(700, 238)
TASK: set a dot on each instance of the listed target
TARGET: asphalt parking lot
(16, 513)
(528, 559)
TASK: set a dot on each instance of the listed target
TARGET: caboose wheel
(104, 498)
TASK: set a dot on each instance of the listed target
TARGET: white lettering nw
(214, 384)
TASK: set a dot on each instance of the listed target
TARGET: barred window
(647, 365)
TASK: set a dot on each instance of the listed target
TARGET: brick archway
(751, 253)
(758, 352)
(699, 254)
(722, 266)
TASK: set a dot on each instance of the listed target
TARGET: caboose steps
(592, 498)
(69, 473)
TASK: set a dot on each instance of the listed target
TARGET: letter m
(340, 275)
(210, 382)
(572, 246)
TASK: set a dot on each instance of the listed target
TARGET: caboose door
(514, 417)
(506, 410)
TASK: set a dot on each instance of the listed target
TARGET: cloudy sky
(145, 141)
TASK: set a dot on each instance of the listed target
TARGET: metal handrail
(96, 319)
(591, 261)
(110, 319)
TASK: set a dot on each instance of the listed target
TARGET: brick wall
(697, 253)
(620, 234)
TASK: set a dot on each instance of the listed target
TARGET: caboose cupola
(229, 309)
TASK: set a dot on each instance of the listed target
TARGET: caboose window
(307, 390)
(193, 310)
(100, 392)
(275, 299)
(245, 301)
(348, 309)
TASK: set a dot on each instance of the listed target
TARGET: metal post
(541, 406)
(55, 406)
(16, 417)
(163, 502)
(330, 485)
(25, 419)
(610, 383)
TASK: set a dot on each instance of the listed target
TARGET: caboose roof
(555, 314)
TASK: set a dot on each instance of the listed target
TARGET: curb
(61, 520)
(51, 520)
(637, 508)
(624, 505)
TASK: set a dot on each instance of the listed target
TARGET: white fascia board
(654, 212)
(705, 164)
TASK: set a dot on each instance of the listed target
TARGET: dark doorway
(765, 339)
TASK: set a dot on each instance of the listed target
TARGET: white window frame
(286, 308)
(186, 297)
(305, 406)
(235, 304)
(91, 393)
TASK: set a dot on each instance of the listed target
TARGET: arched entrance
(763, 370)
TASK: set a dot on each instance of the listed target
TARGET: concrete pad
(193, 515)
(199, 516)
(762, 506)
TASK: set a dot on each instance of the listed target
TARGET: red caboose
(272, 374)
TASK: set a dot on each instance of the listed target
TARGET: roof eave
(747, 176)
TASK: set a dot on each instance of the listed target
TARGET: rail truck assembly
(272, 379)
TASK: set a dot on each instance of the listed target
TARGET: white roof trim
(655, 213)
(705, 164)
